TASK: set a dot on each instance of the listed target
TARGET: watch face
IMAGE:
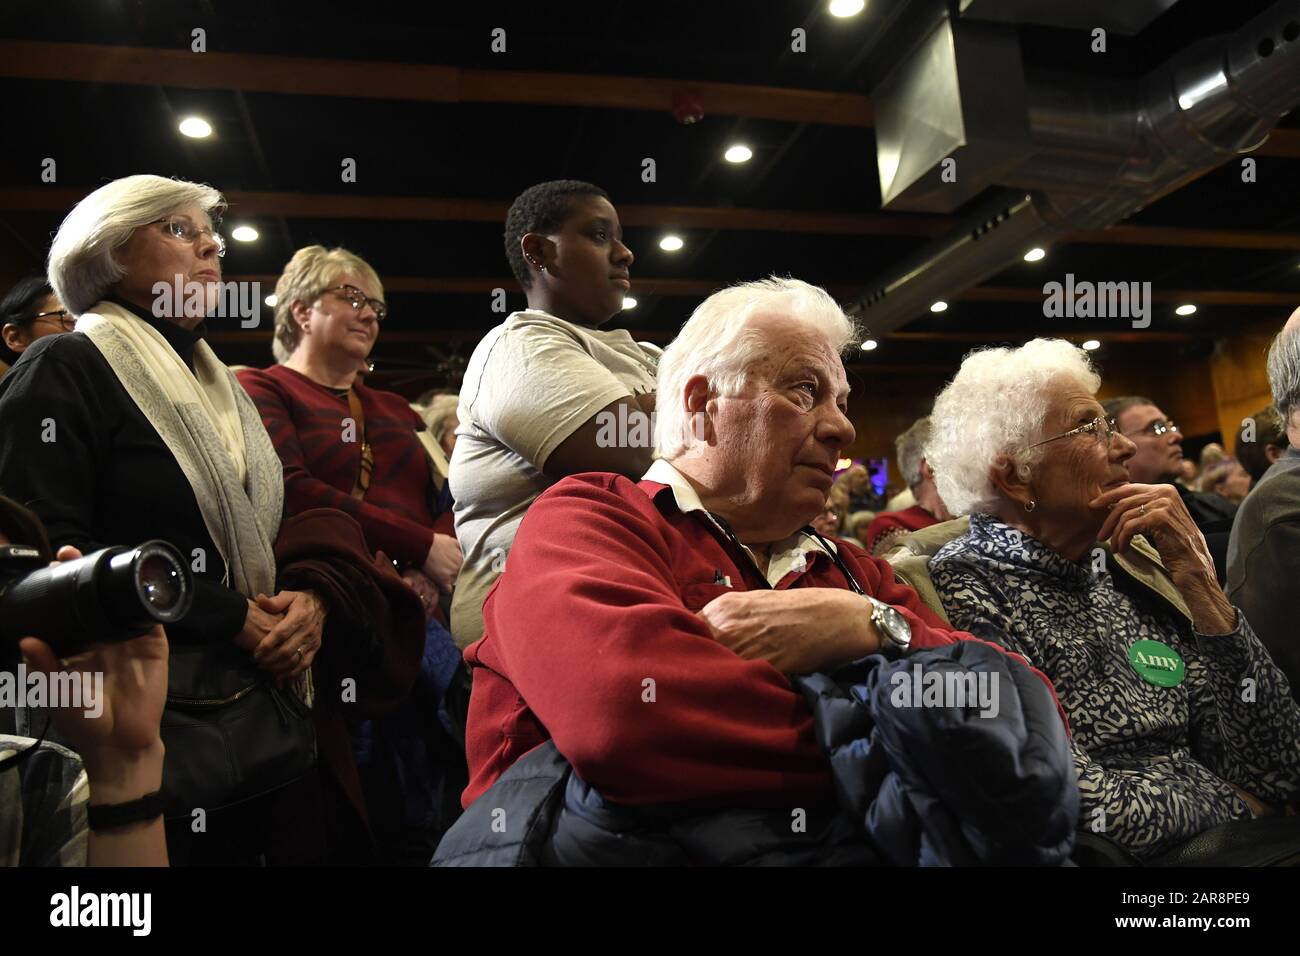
(895, 626)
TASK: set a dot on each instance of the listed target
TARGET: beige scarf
(213, 430)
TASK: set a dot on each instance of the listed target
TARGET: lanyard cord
(721, 524)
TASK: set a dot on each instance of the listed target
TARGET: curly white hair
(995, 405)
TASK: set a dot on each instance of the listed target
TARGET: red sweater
(600, 593)
(890, 522)
(305, 421)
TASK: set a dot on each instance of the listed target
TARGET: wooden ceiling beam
(700, 288)
(248, 204)
(433, 336)
(308, 76)
(1139, 235)
(1281, 143)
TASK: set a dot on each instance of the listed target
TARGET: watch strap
(107, 816)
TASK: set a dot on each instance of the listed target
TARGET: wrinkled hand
(1158, 513)
(257, 624)
(291, 646)
(797, 631)
(418, 582)
(443, 562)
(133, 694)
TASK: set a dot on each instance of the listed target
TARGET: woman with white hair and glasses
(130, 429)
(1149, 658)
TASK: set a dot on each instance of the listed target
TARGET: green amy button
(1157, 663)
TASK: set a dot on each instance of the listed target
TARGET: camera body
(112, 595)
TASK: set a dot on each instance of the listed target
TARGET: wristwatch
(893, 628)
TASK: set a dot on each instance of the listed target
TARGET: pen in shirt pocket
(720, 578)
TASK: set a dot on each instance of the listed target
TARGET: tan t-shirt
(531, 382)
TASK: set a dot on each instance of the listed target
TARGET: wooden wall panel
(1240, 376)
(1182, 389)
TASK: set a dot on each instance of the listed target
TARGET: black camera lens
(112, 595)
(159, 579)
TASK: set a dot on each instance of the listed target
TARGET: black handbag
(231, 733)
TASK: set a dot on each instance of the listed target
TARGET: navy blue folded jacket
(947, 756)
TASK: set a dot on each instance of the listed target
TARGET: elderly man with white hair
(1264, 550)
(646, 627)
(1180, 719)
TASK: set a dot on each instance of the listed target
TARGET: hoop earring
(1030, 505)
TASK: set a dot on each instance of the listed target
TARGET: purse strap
(367, 455)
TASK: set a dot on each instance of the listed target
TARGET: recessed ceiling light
(195, 128)
(243, 234)
(1091, 345)
(738, 154)
(271, 300)
(940, 306)
(847, 8)
(671, 243)
(1034, 254)
(1185, 309)
(870, 345)
(629, 302)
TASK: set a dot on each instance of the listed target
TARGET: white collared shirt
(789, 554)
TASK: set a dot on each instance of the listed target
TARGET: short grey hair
(438, 413)
(1116, 406)
(1284, 371)
(81, 266)
(911, 450)
(996, 405)
(718, 343)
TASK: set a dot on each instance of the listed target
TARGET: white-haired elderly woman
(440, 415)
(129, 429)
(1180, 719)
(703, 577)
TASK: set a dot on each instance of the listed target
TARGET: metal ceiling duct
(1039, 155)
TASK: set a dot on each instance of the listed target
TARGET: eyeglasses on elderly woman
(179, 227)
(359, 300)
(1101, 427)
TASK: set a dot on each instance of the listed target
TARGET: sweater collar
(789, 554)
(1023, 550)
(183, 341)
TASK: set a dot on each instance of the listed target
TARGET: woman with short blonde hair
(311, 270)
(347, 445)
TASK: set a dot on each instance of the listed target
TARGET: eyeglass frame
(1112, 429)
(378, 306)
(217, 237)
(62, 323)
(1157, 428)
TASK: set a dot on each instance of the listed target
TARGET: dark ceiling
(1234, 248)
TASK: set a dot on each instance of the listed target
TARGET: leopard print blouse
(1156, 764)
